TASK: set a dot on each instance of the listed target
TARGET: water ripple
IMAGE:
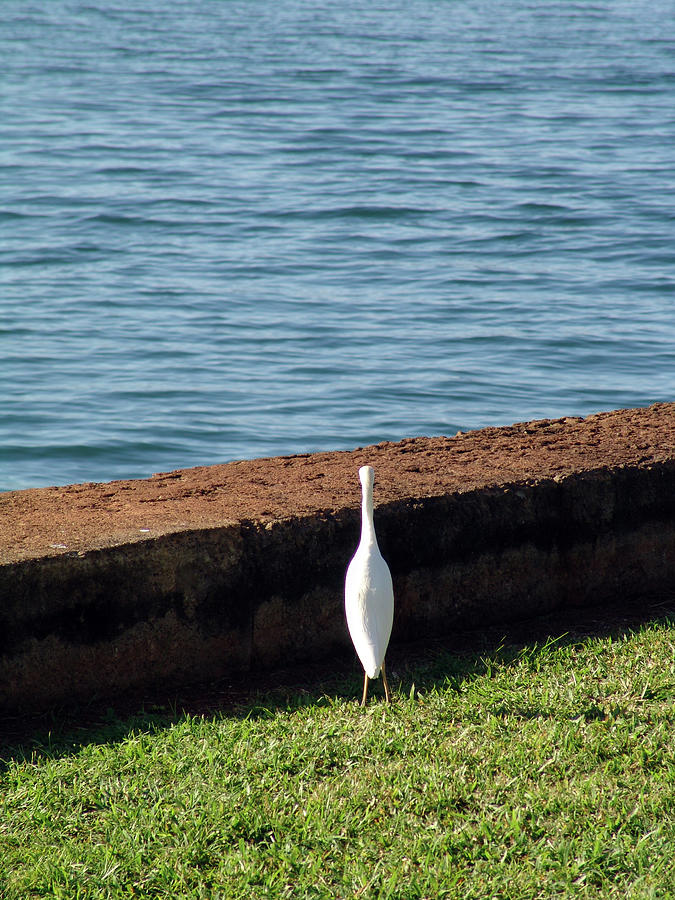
(241, 229)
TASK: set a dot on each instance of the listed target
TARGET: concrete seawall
(193, 574)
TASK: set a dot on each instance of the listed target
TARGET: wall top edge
(80, 517)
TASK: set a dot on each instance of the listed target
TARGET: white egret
(369, 595)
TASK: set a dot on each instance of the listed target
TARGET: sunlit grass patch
(536, 772)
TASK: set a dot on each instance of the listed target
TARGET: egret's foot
(387, 692)
(365, 690)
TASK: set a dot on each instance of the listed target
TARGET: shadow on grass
(414, 666)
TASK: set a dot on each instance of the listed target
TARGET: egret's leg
(365, 689)
(387, 693)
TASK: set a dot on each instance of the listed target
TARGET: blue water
(234, 229)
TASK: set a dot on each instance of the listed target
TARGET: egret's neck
(367, 524)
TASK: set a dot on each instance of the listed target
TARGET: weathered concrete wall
(193, 601)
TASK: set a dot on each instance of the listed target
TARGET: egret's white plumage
(369, 595)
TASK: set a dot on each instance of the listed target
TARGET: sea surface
(237, 229)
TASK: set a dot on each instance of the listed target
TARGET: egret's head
(367, 476)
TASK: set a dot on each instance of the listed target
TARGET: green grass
(542, 772)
